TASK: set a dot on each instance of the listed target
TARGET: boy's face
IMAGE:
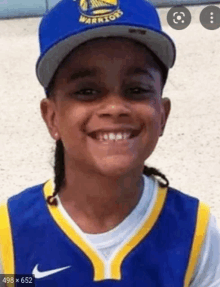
(107, 84)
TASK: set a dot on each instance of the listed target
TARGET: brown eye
(140, 90)
(138, 93)
(136, 90)
(86, 95)
(86, 92)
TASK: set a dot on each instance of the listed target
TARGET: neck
(98, 203)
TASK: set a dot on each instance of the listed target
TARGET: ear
(48, 113)
(166, 107)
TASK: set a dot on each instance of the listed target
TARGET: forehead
(110, 49)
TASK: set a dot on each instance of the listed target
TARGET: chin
(115, 170)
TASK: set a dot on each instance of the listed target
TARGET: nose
(114, 106)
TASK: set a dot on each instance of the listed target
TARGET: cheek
(150, 138)
(153, 114)
(70, 120)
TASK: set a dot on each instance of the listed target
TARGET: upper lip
(117, 129)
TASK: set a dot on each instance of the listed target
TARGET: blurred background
(188, 153)
(27, 8)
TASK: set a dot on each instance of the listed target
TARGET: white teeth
(113, 136)
(105, 137)
(119, 136)
(126, 136)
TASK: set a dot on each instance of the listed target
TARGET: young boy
(107, 220)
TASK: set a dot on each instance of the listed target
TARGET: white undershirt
(108, 241)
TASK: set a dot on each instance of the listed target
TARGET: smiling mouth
(114, 136)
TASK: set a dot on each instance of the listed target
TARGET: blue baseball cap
(73, 22)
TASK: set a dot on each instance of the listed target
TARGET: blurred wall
(24, 8)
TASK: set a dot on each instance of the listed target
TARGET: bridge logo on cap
(99, 11)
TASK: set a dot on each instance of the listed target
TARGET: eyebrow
(83, 74)
(94, 72)
(139, 71)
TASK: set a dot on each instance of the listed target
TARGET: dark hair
(59, 167)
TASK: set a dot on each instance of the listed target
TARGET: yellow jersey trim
(203, 215)
(6, 242)
(100, 265)
(136, 239)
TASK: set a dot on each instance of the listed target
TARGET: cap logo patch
(99, 11)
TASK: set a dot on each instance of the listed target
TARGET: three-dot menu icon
(210, 17)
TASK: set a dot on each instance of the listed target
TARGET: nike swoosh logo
(38, 274)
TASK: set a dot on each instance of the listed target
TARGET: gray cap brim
(158, 42)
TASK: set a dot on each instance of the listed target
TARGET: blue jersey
(35, 238)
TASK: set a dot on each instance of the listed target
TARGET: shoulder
(204, 262)
(207, 272)
(189, 210)
(24, 201)
(181, 194)
(28, 193)
(184, 203)
(187, 203)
